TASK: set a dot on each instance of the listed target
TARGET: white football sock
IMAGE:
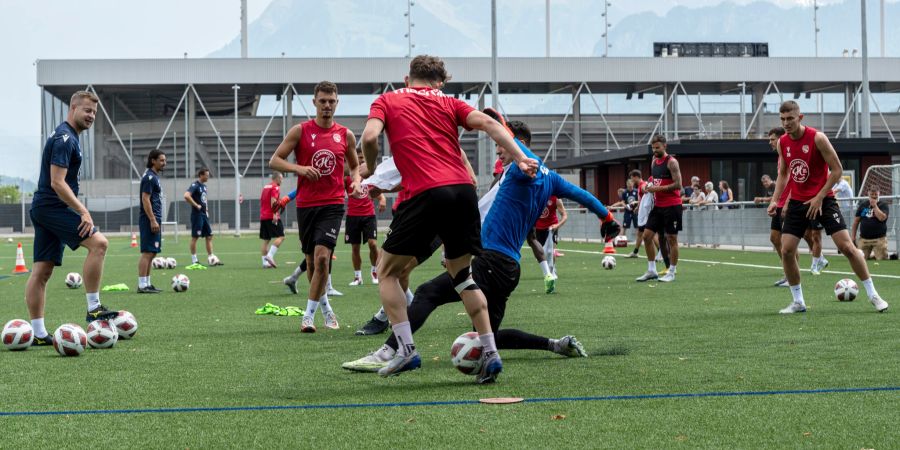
(328, 286)
(142, 282)
(93, 300)
(297, 272)
(381, 315)
(311, 307)
(545, 267)
(672, 269)
(194, 259)
(403, 333)
(263, 259)
(272, 251)
(870, 288)
(487, 341)
(797, 293)
(651, 266)
(357, 274)
(324, 305)
(385, 353)
(409, 297)
(38, 326)
(374, 269)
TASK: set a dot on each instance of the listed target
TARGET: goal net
(886, 179)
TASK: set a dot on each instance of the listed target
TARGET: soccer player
(321, 147)
(271, 228)
(545, 231)
(61, 220)
(512, 208)
(196, 197)
(641, 208)
(422, 124)
(362, 225)
(808, 166)
(665, 217)
(149, 219)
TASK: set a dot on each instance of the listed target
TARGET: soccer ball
(845, 290)
(171, 263)
(620, 241)
(73, 280)
(17, 335)
(609, 262)
(180, 283)
(125, 324)
(213, 260)
(159, 263)
(465, 353)
(70, 340)
(102, 334)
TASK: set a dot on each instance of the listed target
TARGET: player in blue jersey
(200, 228)
(61, 220)
(509, 211)
(149, 219)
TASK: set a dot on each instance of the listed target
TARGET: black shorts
(629, 220)
(448, 212)
(664, 219)
(270, 229)
(360, 228)
(796, 222)
(150, 242)
(319, 225)
(776, 221)
(54, 229)
(542, 235)
(200, 225)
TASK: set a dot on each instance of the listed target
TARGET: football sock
(324, 305)
(797, 293)
(409, 297)
(328, 287)
(635, 251)
(870, 288)
(38, 326)
(263, 259)
(403, 333)
(487, 341)
(93, 300)
(194, 259)
(385, 353)
(311, 307)
(374, 270)
(381, 315)
(298, 271)
(651, 266)
(143, 282)
(545, 267)
(357, 274)
(672, 269)
(272, 251)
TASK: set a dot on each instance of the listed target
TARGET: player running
(271, 228)
(149, 219)
(665, 217)
(196, 197)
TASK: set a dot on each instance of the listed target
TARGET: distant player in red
(545, 232)
(665, 217)
(362, 225)
(321, 147)
(422, 125)
(271, 228)
(808, 167)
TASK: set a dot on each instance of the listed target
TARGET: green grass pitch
(716, 329)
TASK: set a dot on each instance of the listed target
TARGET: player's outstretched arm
(370, 134)
(564, 189)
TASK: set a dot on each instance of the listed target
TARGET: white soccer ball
(171, 263)
(620, 241)
(180, 283)
(9, 240)
(102, 334)
(159, 263)
(70, 340)
(465, 353)
(125, 324)
(846, 290)
(609, 262)
(17, 335)
(73, 280)
(213, 260)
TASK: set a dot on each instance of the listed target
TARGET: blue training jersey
(62, 149)
(519, 202)
(150, 184)
(198, 194)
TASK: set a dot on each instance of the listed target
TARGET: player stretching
(321, 147)
(362, 225)
(808, 167)
(271, 228)
(422, 125)
(196, 197)
(61, 220)
(149, 219)
(665, 217)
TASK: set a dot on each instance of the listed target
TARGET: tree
(9, 194)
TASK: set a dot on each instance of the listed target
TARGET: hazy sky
(54, 29)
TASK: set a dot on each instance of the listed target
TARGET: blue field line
(448, 402)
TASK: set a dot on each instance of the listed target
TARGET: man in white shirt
(843, 192)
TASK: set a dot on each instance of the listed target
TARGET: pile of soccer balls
(70, 339)
(164, 263)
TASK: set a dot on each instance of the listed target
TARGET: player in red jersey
(271, 228)
(422, 125)
(546, 234)
(362, 225)
(321, 147)
(808, 167)
(665, 217)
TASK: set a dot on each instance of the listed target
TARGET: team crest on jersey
(324, 161)
(336, 137)
(363, 191)
(799, 170)
(805, 148)
(545, 213)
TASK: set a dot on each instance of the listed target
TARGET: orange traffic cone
(608, 248)
(20, 261)
(133, 240)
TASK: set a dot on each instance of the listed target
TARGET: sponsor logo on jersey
(799, 171)
(324, 161)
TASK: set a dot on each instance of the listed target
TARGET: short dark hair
(202, 171)
(520, 131)
(634, 173)
(428, 68)
(154, 155)
(658, 138)
(325, 86)
(777, 131)
(80, 95)
(788, 106)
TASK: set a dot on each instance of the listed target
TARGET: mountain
(29, 186)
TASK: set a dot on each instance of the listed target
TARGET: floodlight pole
(243, 28)
(547, 25)
(495, 85)
(237, 172)
(865, 120)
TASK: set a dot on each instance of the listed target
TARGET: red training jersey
(361, 206)
(785, 193)
(548, 215)
(422, 128)
(807, 169)
(323, 149)
(498, 166)
(662, 176)
(269, 192)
